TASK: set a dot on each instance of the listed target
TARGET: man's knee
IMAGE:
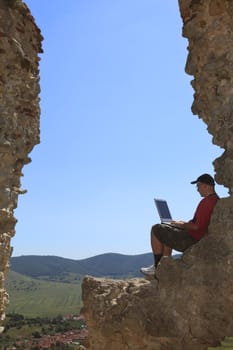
(154, 229)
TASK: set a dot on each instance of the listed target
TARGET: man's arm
(186, 225)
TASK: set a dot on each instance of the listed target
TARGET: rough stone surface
(190, 306)
(20, 43)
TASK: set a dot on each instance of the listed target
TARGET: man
(181, 235)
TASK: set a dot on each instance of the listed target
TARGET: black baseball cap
(205, 179)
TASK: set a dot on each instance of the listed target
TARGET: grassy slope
(32, 298)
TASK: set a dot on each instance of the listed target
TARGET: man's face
(201, 188)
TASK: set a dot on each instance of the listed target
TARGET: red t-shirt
(202, 216)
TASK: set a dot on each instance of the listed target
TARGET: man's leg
(162, 238)
(159, 249)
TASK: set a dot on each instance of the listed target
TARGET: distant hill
(111, 265)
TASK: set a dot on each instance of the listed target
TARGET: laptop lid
(163, 210)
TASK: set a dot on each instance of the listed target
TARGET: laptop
(163, 211)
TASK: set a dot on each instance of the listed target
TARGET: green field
(37, 298)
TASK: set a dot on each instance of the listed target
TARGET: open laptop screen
(163, 210)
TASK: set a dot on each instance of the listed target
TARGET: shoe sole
(147, 273)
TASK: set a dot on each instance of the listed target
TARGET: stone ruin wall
(190, 307)
(20, 43)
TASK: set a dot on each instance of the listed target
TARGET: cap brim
(193, 182)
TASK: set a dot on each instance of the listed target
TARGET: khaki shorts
(173, 237)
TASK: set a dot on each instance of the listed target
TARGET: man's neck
(211, 193)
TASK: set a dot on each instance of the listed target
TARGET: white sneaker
(150, 270)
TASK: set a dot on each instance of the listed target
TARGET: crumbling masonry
(20, 43)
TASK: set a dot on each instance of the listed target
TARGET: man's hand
(178, 223)
(185, 225)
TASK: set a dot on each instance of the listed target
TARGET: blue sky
(116, 129)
